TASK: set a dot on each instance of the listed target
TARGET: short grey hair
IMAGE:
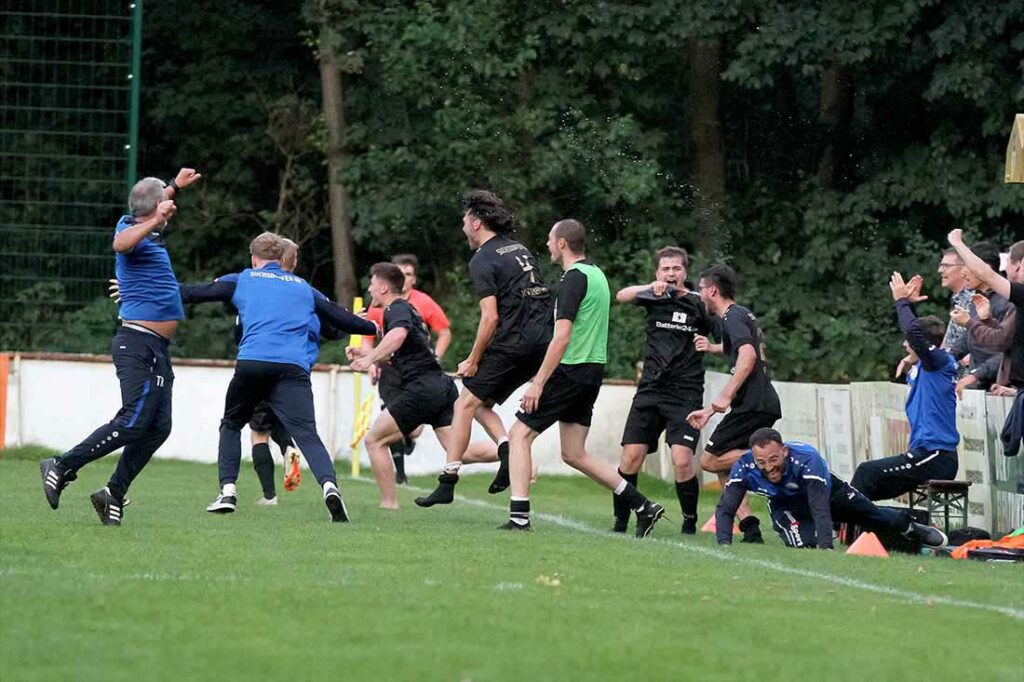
(145, 195)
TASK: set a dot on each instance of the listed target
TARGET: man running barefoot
(425, 394)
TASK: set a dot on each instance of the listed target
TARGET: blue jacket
(280, 314)
(805, 488)
(931, 405)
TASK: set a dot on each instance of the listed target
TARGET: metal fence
(68, 121)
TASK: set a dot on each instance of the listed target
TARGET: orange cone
(710, 527)
(867, 544)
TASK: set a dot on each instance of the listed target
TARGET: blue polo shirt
(149, 289)
(278, 314)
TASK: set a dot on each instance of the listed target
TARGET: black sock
(263, 463)
(399, 461)
(619, 506)
(688, 492)
(632, 497)
(519, 512)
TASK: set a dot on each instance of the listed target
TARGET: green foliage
(577, 109)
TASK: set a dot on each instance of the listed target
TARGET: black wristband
(173, 185)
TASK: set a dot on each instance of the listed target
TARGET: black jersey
(672, 362)
(414, 358)
(739, 327)
(508, 271)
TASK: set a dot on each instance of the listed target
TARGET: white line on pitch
(760, 563)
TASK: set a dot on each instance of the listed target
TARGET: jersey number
(527, 266)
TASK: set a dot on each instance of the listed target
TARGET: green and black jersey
(584, 299)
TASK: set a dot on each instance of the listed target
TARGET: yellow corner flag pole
(1015, 152)
(357, 393)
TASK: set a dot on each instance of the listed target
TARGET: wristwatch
(173, 185)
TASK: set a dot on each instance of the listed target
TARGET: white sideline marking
(906, 595)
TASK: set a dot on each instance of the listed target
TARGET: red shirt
(427, 307)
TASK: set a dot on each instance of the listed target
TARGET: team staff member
(672, 384)
(279, 313)
(425, 395)
(805, 498)
(931, 406)
(568, 381)
(150, 308)
(511, 338)
(750, 395)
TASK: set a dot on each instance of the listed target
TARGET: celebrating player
(750, 395)
(568, 381)
(672, 385)
(425, 395)
(511, 339)
(279, 313)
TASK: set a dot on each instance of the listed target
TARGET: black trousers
(144, 421)
(889, 477)
(288, 390)
(848, 505)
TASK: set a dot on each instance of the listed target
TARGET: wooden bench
(947, 499)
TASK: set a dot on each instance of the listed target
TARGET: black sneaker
(336, 506)
(512, 525)
(646, 517)
(929, 536)
(55, 478)
(689, 526)
(223, 504)
(444, 493)
(751, 529)
(108, 508)
(501, 481)
(620, 525)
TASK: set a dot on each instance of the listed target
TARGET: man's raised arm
(980, 268)
(343, 320)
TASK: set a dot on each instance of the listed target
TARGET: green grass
(440, 594)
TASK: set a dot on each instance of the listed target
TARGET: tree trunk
(707, 145)
(343, 249)
(835, 110)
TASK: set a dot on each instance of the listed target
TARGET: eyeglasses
(945, 266)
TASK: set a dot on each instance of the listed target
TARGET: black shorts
(263, 419)
(734, 431)
(389, 385)
(427, 400)
(655, 410)
(563, 400)
(501, 372)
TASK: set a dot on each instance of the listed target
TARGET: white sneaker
(267, 501)
(224, 504)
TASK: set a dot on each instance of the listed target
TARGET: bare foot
(389, 505)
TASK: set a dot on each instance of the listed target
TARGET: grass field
(440, 594)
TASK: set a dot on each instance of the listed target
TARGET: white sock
(329, 486)
(452, 467)
(620, 487)
(229, 489)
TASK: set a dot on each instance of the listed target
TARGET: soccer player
(750, 395)
(804, 497)
(567, 384)
(931, 405)
(426, 395)
(279, 313)
(149, 307)
(511, 338)
(672, 384)
(437, 322)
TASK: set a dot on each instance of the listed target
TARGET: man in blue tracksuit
(804, 497)
(931, 406)
(280, 314)
(150, 308)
